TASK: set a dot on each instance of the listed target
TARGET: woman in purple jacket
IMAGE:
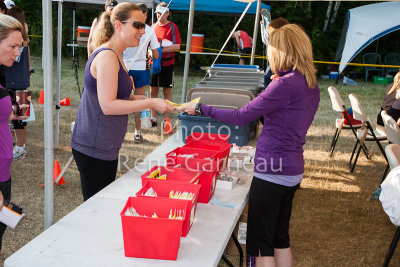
(288, 106)
(10, 42)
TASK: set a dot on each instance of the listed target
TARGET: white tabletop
(91, 235)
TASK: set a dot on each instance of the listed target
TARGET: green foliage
(216, 28)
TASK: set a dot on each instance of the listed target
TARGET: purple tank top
(95, 134)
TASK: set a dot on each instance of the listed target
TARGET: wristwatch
(197, 109)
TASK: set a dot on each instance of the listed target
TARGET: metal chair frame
(338, 106)
(359, 114)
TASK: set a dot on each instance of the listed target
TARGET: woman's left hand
(189, 108)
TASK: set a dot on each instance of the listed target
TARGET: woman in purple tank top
(102, 118)
(10, 42)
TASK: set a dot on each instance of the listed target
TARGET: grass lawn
(334, 220)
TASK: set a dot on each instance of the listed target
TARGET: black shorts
(247, 52)
(17, 124)
(270, 208)
(164, 78)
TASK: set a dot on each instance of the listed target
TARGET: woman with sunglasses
(102, 119)
(10, 42)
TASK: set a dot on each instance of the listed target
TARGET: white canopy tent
(364, 25)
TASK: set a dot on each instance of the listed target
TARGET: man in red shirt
(244, 42)
(170, 40)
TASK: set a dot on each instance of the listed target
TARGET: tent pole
(73, 37)
(59, 39)
(48, 114)
(255, 33)
(187, 55)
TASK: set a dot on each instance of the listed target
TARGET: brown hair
(143, 7)
(105, 28)
(8, 24)
(18, 13)
(290, 48)
(278, 23)
(396, 83)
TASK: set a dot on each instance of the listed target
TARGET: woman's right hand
(161, 106)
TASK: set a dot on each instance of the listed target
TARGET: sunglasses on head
(136, 24)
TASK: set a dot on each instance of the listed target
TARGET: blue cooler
(239, 135)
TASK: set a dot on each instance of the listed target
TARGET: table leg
(227, 261)
(234, 238)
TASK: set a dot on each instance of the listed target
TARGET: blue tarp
(216, 6)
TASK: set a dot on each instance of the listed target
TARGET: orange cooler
(197, 43)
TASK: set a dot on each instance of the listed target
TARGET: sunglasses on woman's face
(136, 24)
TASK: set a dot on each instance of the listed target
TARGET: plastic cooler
(163, 190)
(210, 167)
(210, 137)
(172, 175)
(152, 238)
(223, 149)
(83, 31)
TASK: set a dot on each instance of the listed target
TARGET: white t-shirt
(140, 61)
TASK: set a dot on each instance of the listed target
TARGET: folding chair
(392, 59)
(338, 106)
(371, 58)
(392, 133)
(365, 133)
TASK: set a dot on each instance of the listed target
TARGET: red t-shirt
(170, 33)
(245, 40)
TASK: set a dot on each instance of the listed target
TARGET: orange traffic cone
(41, 97)
(167, 127)
(65, 102)
(57, 171)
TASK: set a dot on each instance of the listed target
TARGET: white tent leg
(255, 33)
(59, 39)
(187, 55)
(48, 114)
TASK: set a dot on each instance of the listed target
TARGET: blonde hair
(290, 48)
(8, 24)
(105, 27)
(396, 83)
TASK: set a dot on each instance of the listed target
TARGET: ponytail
(104, 30)
(105, 25)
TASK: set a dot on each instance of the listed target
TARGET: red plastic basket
(212, 137)
(152, 238)
(173, 175)
(163, 189)
(207, 179)
(222, 148)
(203, 154)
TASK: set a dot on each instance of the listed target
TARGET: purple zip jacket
(288, 107)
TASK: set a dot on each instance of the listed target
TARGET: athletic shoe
(138, 138)
(153, 123)
(19, 152)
